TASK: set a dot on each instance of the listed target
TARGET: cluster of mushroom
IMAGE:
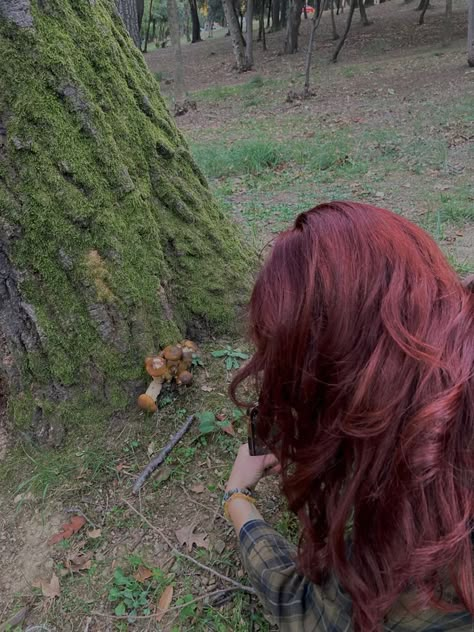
(173, 363)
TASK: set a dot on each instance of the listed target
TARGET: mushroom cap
(155, 366)
(146, 403)
(189, 344)
(184, 378)
(173, 353)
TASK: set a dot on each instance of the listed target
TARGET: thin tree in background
(315, 20)
(424, 4)
(261, 26)
(140, 10)
(173, 21)
(249, 34)
(346, 30)
(335, 35)
(276, 24)
(470, 35)
(363, 14)
(150, 19)
(238, 43)
(293, 27)
(196, 34)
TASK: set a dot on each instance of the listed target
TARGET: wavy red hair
(364, 365)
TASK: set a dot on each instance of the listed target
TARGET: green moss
(115, 218)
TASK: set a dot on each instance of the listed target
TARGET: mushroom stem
(154, 388)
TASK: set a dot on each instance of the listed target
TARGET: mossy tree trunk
(110, 242)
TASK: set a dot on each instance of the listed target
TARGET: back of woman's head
(364, 354)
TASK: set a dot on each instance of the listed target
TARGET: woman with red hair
(364, 349)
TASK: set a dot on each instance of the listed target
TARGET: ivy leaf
(120, 610)
(241, 355)
(207, 422)
(229, 363)
(219, 354)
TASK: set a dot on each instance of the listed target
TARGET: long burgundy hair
(364, 355)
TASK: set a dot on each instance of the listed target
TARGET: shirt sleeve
(293, 601)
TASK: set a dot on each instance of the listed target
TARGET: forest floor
(391, 124)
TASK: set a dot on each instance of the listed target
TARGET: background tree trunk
(178, 88)
(335, 34)
(140, 10)
(470, 35)
(363, 14)
(276, 24)
(424, 6)
(293, 27)
(150, 19)
(196, 35)
(110, 242)
(283, 12)
(261, 28)
(129, 13)
(346, 31)
(235, 35)
(249, 34)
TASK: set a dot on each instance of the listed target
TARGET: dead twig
(175, 551)
(159, 458)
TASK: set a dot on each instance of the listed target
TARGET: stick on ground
(159, 458)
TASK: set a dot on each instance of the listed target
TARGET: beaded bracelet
(243, 496)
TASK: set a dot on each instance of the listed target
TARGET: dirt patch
(23, 547)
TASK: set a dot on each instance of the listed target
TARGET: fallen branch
(175, 551)
(159, 458)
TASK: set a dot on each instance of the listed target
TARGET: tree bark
(196, 34)
(129, 13)
(283, 13)
(249, 35)
(111, 244)
(294, 21)
(270, 7)
(276, 24)
(346, 30)
(235, 35)
(470, 35)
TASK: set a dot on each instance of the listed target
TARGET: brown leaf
(229, 429)
(206, 388)
(198, 489)
(164, 602)
(143, 573)
(120, 467)
(68, 529)
(50, 589)
(185, 535)
(79, 562)
(459, 233)
(94, 533)
(221, 417)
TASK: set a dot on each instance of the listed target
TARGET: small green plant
(232, 357)
(133, 597)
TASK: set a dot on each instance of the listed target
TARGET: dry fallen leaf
(23, 497)
(185, 535)
(206, 388)
(94, 533)
(68, 529)
(79, 562)
(229, 429)
(120, 467)
(198, 489)
(221, 416)
(164, 602)
(50, 589)
(143, 573)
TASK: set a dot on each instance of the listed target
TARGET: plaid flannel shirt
(297, 605)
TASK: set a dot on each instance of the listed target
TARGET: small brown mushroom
(147, 401)
(184, 378)
(172, 353)
(189, 344)
(155, 366)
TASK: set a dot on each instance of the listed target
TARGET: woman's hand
(248, 470)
